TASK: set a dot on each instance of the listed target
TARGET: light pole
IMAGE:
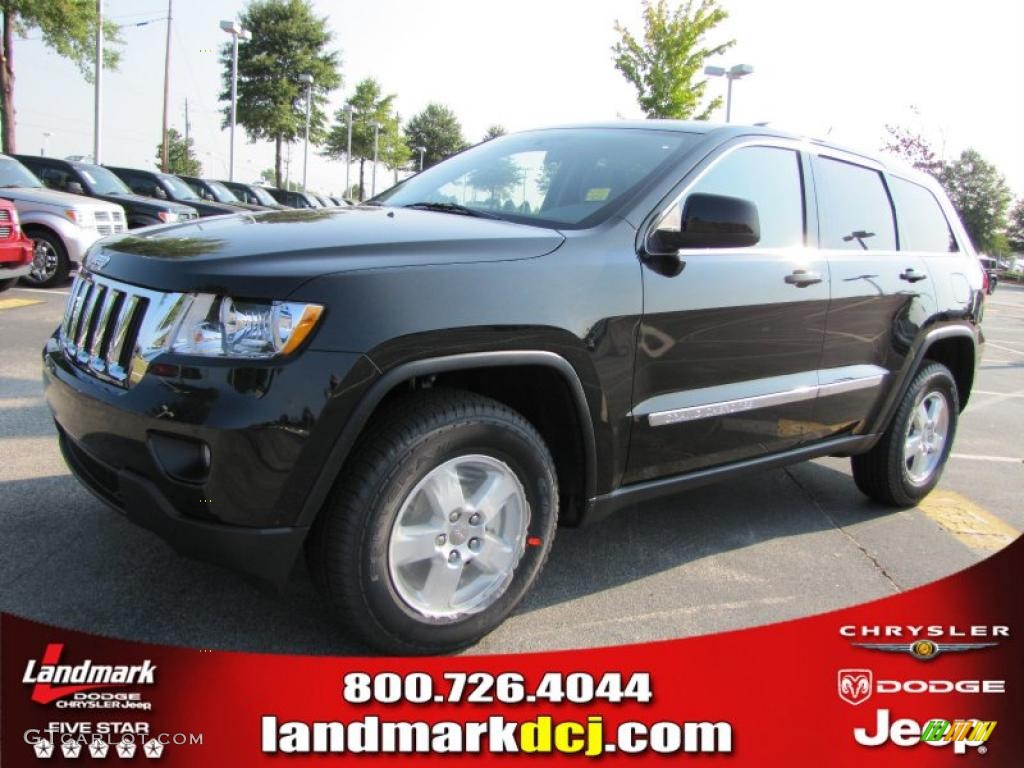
(308, 80)
(96, 138)
(236, 31)
(422, 151)
(349, 109)
(733, 73)
(376, 146)
(46, 142)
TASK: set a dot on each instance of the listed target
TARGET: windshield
(101, 181)
(179, 189)
(14, 174)
(263, 196)
(562, 177)
(222, 193)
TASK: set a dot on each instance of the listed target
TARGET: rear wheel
(50, 264)
(439, 525)
(908, 460)
(5, 284)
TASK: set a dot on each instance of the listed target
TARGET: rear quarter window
(923, 226)
(853, 207)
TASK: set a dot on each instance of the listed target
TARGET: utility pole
(308, 80)
(376, 147)
(99, 84)
(187, 126)
(167, 83)
(349, 109)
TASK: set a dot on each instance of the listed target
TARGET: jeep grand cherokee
(543, 329)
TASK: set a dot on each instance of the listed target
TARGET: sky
(843, 70)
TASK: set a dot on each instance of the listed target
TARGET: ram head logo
(855, 685)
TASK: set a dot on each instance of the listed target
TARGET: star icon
(71, 749)
(154, 748)
(43, 749)
(126, 749)
(98, 748)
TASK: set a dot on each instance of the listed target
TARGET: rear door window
(853, 207)
(923, 225)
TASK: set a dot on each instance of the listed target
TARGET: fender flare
(899, 388)
(360, 415)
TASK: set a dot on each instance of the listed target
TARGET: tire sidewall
(490, 436)
(935, 379)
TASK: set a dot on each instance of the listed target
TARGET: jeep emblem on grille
(98, 261)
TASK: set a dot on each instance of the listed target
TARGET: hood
(46, 196)
(268, 255)
(143, 203)
(209, 207)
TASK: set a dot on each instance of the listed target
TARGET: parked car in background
(209, 189)
(61, 226)
(325, 201)
(96, 181)
(167, 186)
(252, 193)
(15, 249)
(294, 199)
(991, 269)
(339, 202)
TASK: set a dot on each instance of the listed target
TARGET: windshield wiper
(461, 210)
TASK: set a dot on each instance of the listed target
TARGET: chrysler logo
(98, 261)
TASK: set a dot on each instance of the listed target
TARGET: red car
(15, 249)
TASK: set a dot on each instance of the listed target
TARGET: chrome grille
(101, 324)
(5, 232)
(102, 216)
(5, 215)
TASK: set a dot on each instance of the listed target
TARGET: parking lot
(780, 545)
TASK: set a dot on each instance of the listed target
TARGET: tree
(180, 156)
(437, 129)
(980, 195)
(663, 65)
(1015, 231)
(67, 27)
(914, 149)
(369, 106)
(288, 41)
(494, 132)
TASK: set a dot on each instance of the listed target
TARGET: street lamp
(308, 80)
(46, 141)
(733, 73)
(422, 151)
(237, 31)
(349, 109)
(376, 146)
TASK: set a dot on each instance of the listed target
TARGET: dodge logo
(855, 685)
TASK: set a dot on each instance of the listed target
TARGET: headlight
(219, 326)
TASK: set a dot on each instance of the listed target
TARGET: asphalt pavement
(779, 545)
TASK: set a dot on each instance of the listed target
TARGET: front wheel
(907, 462)
(8, 283)
(439, 525)
(50, 265)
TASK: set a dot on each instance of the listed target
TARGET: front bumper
(245, 507)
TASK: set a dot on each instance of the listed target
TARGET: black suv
(96, 181)
(167, 186)
(294, 199)
(208, 189)
(544, 329)
(253, 194)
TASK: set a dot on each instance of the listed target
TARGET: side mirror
(75, 188)
(717, 221)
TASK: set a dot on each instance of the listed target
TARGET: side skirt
(602, 506)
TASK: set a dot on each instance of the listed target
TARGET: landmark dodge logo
(855, 685)
(74, 678)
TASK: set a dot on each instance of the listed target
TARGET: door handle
(801, 278)
(911, 275)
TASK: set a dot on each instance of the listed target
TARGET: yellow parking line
(976, 527)
(12, 303)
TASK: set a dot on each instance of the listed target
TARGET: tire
(387, 494)
(889, 473)
(8, 283)
(50, 266)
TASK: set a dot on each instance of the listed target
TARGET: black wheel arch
(395, 377)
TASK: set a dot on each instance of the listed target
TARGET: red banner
(929, 677)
